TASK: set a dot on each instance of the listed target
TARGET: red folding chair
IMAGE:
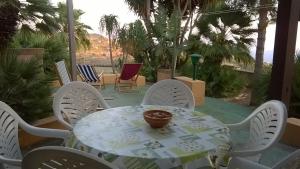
(128, 75)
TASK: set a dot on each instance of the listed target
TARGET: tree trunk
(261, 38)
(110, 54)
(123, 58)
(174, 61)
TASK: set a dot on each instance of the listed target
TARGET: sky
(94, 9)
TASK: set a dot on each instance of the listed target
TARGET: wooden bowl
(157, 118)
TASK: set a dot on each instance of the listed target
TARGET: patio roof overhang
(288, 15)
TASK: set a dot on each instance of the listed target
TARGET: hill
(98, 54)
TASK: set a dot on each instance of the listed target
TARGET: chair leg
(103, 82)
(115, 84)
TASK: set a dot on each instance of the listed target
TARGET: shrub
(295, 98)
(220, 81)
(56, 48)
(24, 87)
(149, 73)
(262, 87)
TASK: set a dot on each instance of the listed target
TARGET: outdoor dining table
(123, 137)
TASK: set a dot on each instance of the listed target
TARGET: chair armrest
(44, 132)
(65, 124)
(15, 162)
(100, 75)
(238, 126)
(235, 126)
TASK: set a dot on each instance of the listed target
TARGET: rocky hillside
(98, 54)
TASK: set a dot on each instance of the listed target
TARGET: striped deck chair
(88, 74)
(62, 72)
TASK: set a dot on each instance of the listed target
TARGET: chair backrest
(267, 124)
(76, 100)
(130, 70)
(62, 158)
(87, 72)
(9, 142)
(290, 162)
(170, 93)
(62, 72)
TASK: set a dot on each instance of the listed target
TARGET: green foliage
(24, 87)
(80, 29)
(295, 98)
(109, 24)
(226, 83)
(221, 37)
(225, 36)
(38, 15)
(137, 42)
(158, 47)
(170, 38)
(55, 47)
(9, 10)
(263, 85)
(220, 81)
(167, 32)
(149, 73)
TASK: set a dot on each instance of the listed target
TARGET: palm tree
(266, 13)
(122, 41)
(227, 36)
(261, 38)
(38, 15)
(143, 9)
(81, 33)
(110, 25)
(177, 12)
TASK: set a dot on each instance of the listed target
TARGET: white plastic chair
(290, 162)
(64, 77)
(265, 125)
(62, 158)
(76, 100)
(10, 153)
(170, 93)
